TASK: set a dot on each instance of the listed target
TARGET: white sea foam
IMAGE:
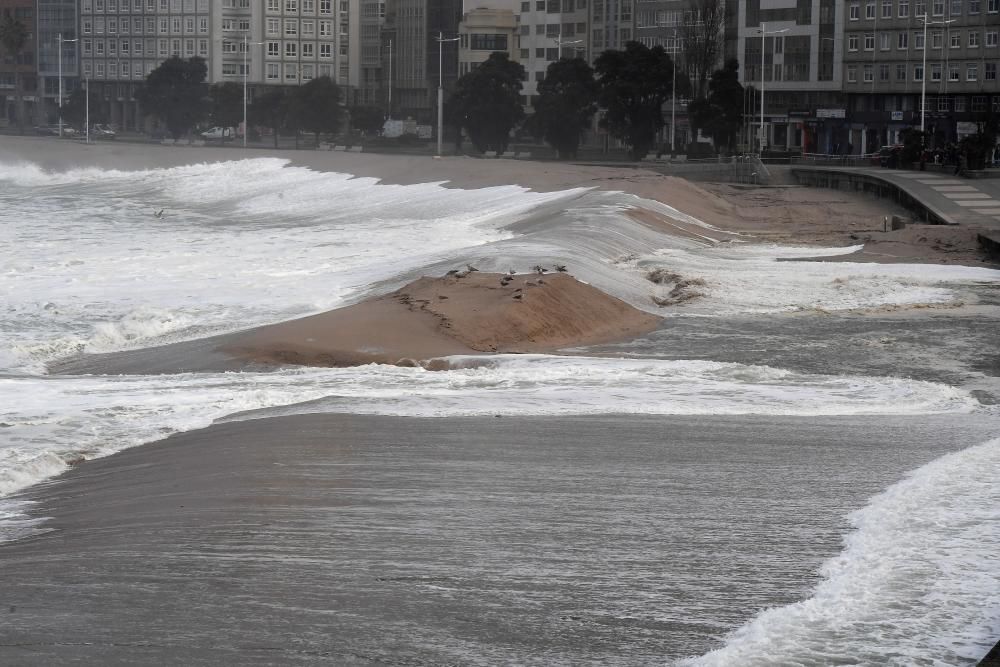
(916, 583)
(52, 420)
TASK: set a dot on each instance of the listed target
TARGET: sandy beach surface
(283, 538)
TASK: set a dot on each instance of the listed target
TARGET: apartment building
(411, 51)
(548, 30)
(893, 60)
(264, 42)
(370, 78)
(483, 31)
(55, 18)
(19, 68)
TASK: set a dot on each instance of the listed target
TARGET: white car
(218, 134)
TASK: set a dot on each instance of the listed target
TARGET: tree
(270, 110)
(13, 38)
(74, 110)
(227, 104)
(367, 120)
(175, 93)
(634, 84)
(487, 102)
(567, 101)
(702, 37)
(316, 107)
(721, 113)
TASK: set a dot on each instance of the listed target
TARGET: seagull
(539, 269)
(561, 268)
(452, 272)
(505, 281)
(512, 272)
(158, 214)
(518, 296)
(471, 268)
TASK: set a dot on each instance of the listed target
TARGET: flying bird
(158, 214)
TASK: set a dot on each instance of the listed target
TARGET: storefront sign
(830, 113)
(897, 115)
(964, 128)
(799, 113)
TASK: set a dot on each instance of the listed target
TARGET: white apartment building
(548, 29)
(269, 42)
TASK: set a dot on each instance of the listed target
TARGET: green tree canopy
(634, 84)
(270, 109)
(721, 113)
(567, 101)
(13, 38)
(316, 107)
(227, 104)
(175, 93)
(366, 119)
(487, 102)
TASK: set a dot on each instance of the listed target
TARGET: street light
(763, 34)
(246, 74)
(560, 42)
(60, 41)
(923, 78)
(441, 40)
(673, 96)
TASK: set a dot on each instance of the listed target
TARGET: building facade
(55, 18)
(550, 29)
(484, 31)
(18, 71)
(893, 61)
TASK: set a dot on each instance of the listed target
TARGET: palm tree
(13, 37)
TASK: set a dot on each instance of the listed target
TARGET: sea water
(102, 261)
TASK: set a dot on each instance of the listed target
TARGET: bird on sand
(561, 268)
(471, 268)
(505, 280)
(452, 272)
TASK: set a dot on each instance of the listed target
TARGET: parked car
(887, 156)
(218, 134)
(102, 132)
(53, 130)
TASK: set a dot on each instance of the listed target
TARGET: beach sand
(365, 540)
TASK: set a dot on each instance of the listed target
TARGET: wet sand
(340, 539)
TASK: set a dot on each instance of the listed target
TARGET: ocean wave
(916, 582)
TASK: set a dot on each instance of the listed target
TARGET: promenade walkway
(951, 199)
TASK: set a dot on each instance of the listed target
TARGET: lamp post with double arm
(441, 40)
(59, 42)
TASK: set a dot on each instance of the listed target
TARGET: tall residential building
(801, 73)
(548, 29)
(19, 68)
(55, 18)
(279, 42)
(413, 28)
(884, 63)
(371, 84)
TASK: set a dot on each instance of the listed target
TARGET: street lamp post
(86, 85)
(560, 42)
(441, 40)
(763, 35)
(246, 74)
(673, 97)
(923, 78)
(59, 42)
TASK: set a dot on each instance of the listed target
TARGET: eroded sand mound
(464, 313)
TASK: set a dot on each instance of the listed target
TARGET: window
(936, 72)
(526, 6)
(937, 39)
(291, 28)
(943, 103)
(900, 72)
(525, 30)
(883, 72)
(272, 71)
(308, 50)
(973, 39)
(887, 9)
(870, 10)
(870, 41)
(918, 41)
(978, 103)
(993, 6)
(540, 52)
(488, 42)
(291, 49)
(953, 74)
(852, 73)
(902, 42)
(918, 72)
(869, 76)
(956, 7)
(325, 6)
(325, 51)
(904, 8)
(539, 29)
(273, 50)
(552, 54)
(959, 104)
(972, 72)
(884, 41)
(990, 74)
(852, 43)
(525, 54)
(937, 7)
(991, 39)
(956, 40)
(291, 5)
(974, 6)
(856, 11)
